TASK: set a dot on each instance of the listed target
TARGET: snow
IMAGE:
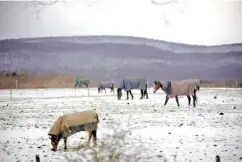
(151, 131)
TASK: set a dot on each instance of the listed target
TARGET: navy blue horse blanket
(133, 83)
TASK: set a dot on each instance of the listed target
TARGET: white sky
(206, 22)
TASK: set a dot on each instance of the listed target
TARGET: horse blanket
(182, 87)
(70, 124)
(106, 84)
(133, 83)
(82, 81)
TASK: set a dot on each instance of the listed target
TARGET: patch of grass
(111, 148)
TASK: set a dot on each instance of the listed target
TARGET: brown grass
(43, 81)
(25, 81)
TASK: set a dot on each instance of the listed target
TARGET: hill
(116, 57)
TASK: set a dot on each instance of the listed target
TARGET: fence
(49, 93)
(18, 94)
(13, 94)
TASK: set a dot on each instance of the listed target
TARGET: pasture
(129, 130)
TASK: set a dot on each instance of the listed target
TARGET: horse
(133, 83)
(105, 84)
(80, 81)
(69, 124)
(177, 88)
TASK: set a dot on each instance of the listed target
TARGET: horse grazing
(106, 84)
(133, 83)
(70, 124)
(177, 88)
(80, 81)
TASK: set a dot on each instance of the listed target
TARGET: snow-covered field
(155, 132)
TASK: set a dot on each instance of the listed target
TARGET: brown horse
(173, 89)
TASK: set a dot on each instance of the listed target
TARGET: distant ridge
(170, 46)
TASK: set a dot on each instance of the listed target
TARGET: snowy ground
(158, 133)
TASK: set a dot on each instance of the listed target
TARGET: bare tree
(41, 4)
(176, 4)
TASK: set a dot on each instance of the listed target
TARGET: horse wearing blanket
(80, 81)
(177, 88)
(105, 84)
(70, 124)
(133, 83)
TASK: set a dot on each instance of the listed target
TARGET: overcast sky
(206, 22)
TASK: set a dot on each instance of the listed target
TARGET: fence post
(11, 94)
(37, 158)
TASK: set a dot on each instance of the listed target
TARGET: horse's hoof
(53, 149)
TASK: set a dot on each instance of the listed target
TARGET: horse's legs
(189, 100)
(86, 85)
(194, 100)
(194, 97)
(105, 90)
(167, 98)
(65, 141)
(127, 95)
(94, 133)
(89, 136)
(146, 93)
(142, 94)
(131, 94)
(177, 101)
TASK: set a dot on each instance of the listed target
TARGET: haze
(198, 22)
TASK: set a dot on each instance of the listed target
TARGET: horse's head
(119, 93)
(54, 141)
(157, 85)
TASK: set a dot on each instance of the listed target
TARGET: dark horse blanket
(106, 84)
(133, 83)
